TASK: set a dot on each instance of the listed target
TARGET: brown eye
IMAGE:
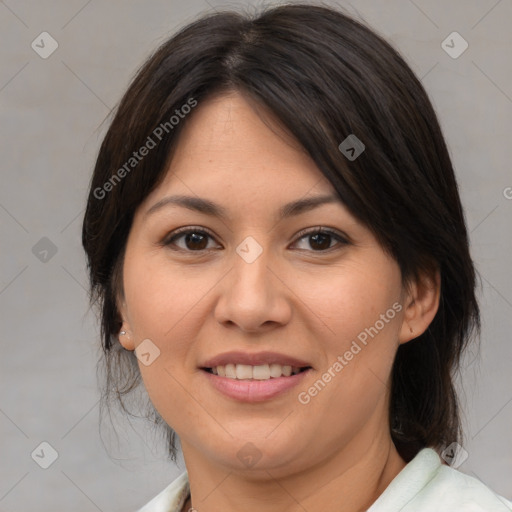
(194, 239)
(320, 239)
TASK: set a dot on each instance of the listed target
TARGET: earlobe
(125, 338)
(421, 305)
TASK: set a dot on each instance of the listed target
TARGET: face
(312, 288)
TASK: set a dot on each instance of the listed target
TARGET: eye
(321, 238)
(196, 239)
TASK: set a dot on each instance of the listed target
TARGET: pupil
(321, 236)
(194, 238)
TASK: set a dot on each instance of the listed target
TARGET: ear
(420, 305)
(125, 334)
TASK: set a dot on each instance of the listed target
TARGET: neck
(355, 476)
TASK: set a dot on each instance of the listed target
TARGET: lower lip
(254, 390)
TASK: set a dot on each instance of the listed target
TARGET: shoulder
(171, 499)
(452, 488)
(426, 484)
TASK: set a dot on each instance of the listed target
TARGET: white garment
(423, 485)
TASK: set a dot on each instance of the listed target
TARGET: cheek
(163, 305)
(162, 298)
(350, 298)
(361, 314)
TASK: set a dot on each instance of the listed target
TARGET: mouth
(252, 384)
(260, 372)
(254, 377)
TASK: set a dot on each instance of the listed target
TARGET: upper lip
(254, 359)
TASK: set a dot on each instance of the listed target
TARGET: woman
(277, 245)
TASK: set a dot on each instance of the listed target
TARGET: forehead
(235, 151)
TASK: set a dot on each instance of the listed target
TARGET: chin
(252, 454)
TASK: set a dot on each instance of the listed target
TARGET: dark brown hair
(324, 76)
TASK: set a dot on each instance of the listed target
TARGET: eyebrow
(208, 207)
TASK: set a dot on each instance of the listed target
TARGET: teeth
(243, 371)
(230, 371)
(259, 372)
(276, 370)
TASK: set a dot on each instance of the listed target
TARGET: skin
(298, 298)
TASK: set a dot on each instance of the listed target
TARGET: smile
(252, 389)
(257, 372)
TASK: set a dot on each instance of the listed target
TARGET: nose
(253, 296)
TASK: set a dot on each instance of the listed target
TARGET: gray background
(51, 115)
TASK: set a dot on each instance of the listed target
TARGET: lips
(254, 359)
(252, 390)
(253, 377)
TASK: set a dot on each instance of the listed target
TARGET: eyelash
(178, 233)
